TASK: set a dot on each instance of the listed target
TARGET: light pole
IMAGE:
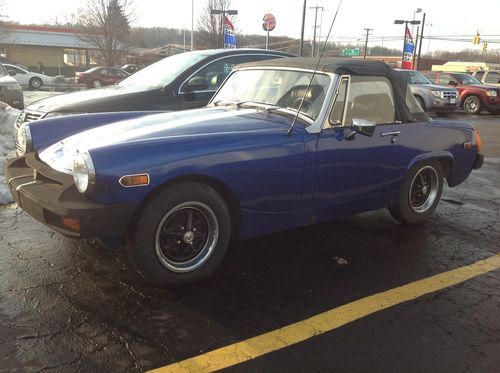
(302, 29)
(421, 41)
(192, 23)
(419, 10)
(405, 22)
(222, 13)
(366, 41)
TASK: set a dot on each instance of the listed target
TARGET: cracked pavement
(70, 306)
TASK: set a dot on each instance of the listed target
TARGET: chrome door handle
(390, 133)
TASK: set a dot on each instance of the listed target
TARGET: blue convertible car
(280, 146)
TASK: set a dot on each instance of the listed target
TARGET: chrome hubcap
(186, 236)
(423, 189)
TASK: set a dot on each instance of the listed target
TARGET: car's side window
(370, 99)
(479, 75)
(445, 79)
(215, 73)
(337, 113)
(18, 71)
(492, 77)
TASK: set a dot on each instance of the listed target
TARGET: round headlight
(23, 140)
(83, 172)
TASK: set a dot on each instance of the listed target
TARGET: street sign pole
(267, 40)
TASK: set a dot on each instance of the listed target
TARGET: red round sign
(268, 22)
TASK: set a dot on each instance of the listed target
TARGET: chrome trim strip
(134, 186)
(25, 184)
(18, 177)
(390, 133)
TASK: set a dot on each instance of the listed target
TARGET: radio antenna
(289, 132)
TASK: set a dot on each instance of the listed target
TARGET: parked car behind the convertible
(98, 77)
(474, 95)
(269, 153)
(434, 98)
(10, 91)
(29, 79)
(183, 81)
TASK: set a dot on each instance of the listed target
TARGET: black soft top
(348, 66)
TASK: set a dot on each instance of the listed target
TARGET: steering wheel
(306, 104)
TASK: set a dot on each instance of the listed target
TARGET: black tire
(35, 83)
(96, 84)
(167, 248)
(472, 105)
(421, 102)
(415, 204)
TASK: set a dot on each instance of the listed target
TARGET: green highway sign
(349, 52)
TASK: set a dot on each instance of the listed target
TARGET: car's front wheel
(97, 83)
(35, 83)
(472, 105)
(420, 193)
(181, 235)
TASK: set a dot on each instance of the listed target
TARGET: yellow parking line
(324, 322)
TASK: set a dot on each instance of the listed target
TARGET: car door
(21, 76)
(209, 78)
(356, 167)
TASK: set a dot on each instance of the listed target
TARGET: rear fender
(444, 157)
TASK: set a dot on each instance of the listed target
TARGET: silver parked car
(438, 99)
(10, 90)
(29, 79)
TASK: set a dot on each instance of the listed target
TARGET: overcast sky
(456, 19)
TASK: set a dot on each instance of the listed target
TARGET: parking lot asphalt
(70, 306)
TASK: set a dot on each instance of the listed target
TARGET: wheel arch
(445, 158)
(420, 99)
(220, 187)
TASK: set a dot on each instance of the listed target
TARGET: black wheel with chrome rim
(186, 236)
(420, 193)
(181, 235)
(423, 189)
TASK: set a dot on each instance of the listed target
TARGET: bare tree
(106, 24)
(210, 26)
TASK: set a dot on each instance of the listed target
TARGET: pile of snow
(8, 118)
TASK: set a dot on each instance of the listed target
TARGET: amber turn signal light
(134, 180)
(71, 223)
(478, 140)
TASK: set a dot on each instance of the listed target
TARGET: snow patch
(8, 117)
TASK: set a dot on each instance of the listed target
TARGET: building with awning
(60, 50)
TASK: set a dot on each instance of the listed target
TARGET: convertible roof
(332, 65)
(348, 66)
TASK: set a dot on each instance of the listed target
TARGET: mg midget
(281, 145)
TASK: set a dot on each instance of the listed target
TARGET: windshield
(467, 79)
(281, 88)
(163, 72)
(3, 72)
(415, 77)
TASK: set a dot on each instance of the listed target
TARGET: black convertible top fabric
(344, 66)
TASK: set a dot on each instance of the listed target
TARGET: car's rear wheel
(420, 193)
(96, 83)
(35, 83)
(181, 235)
(472, 105)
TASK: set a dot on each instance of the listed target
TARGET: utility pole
(302, 30)
(192, 23)
(366, 41)
(315, 26)
(421, 40)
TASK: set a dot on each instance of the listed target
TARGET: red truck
(474, 95)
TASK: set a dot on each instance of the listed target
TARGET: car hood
(198, 123)
(83, 101)
(7, 79)
(481, 86)
(435, 87)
